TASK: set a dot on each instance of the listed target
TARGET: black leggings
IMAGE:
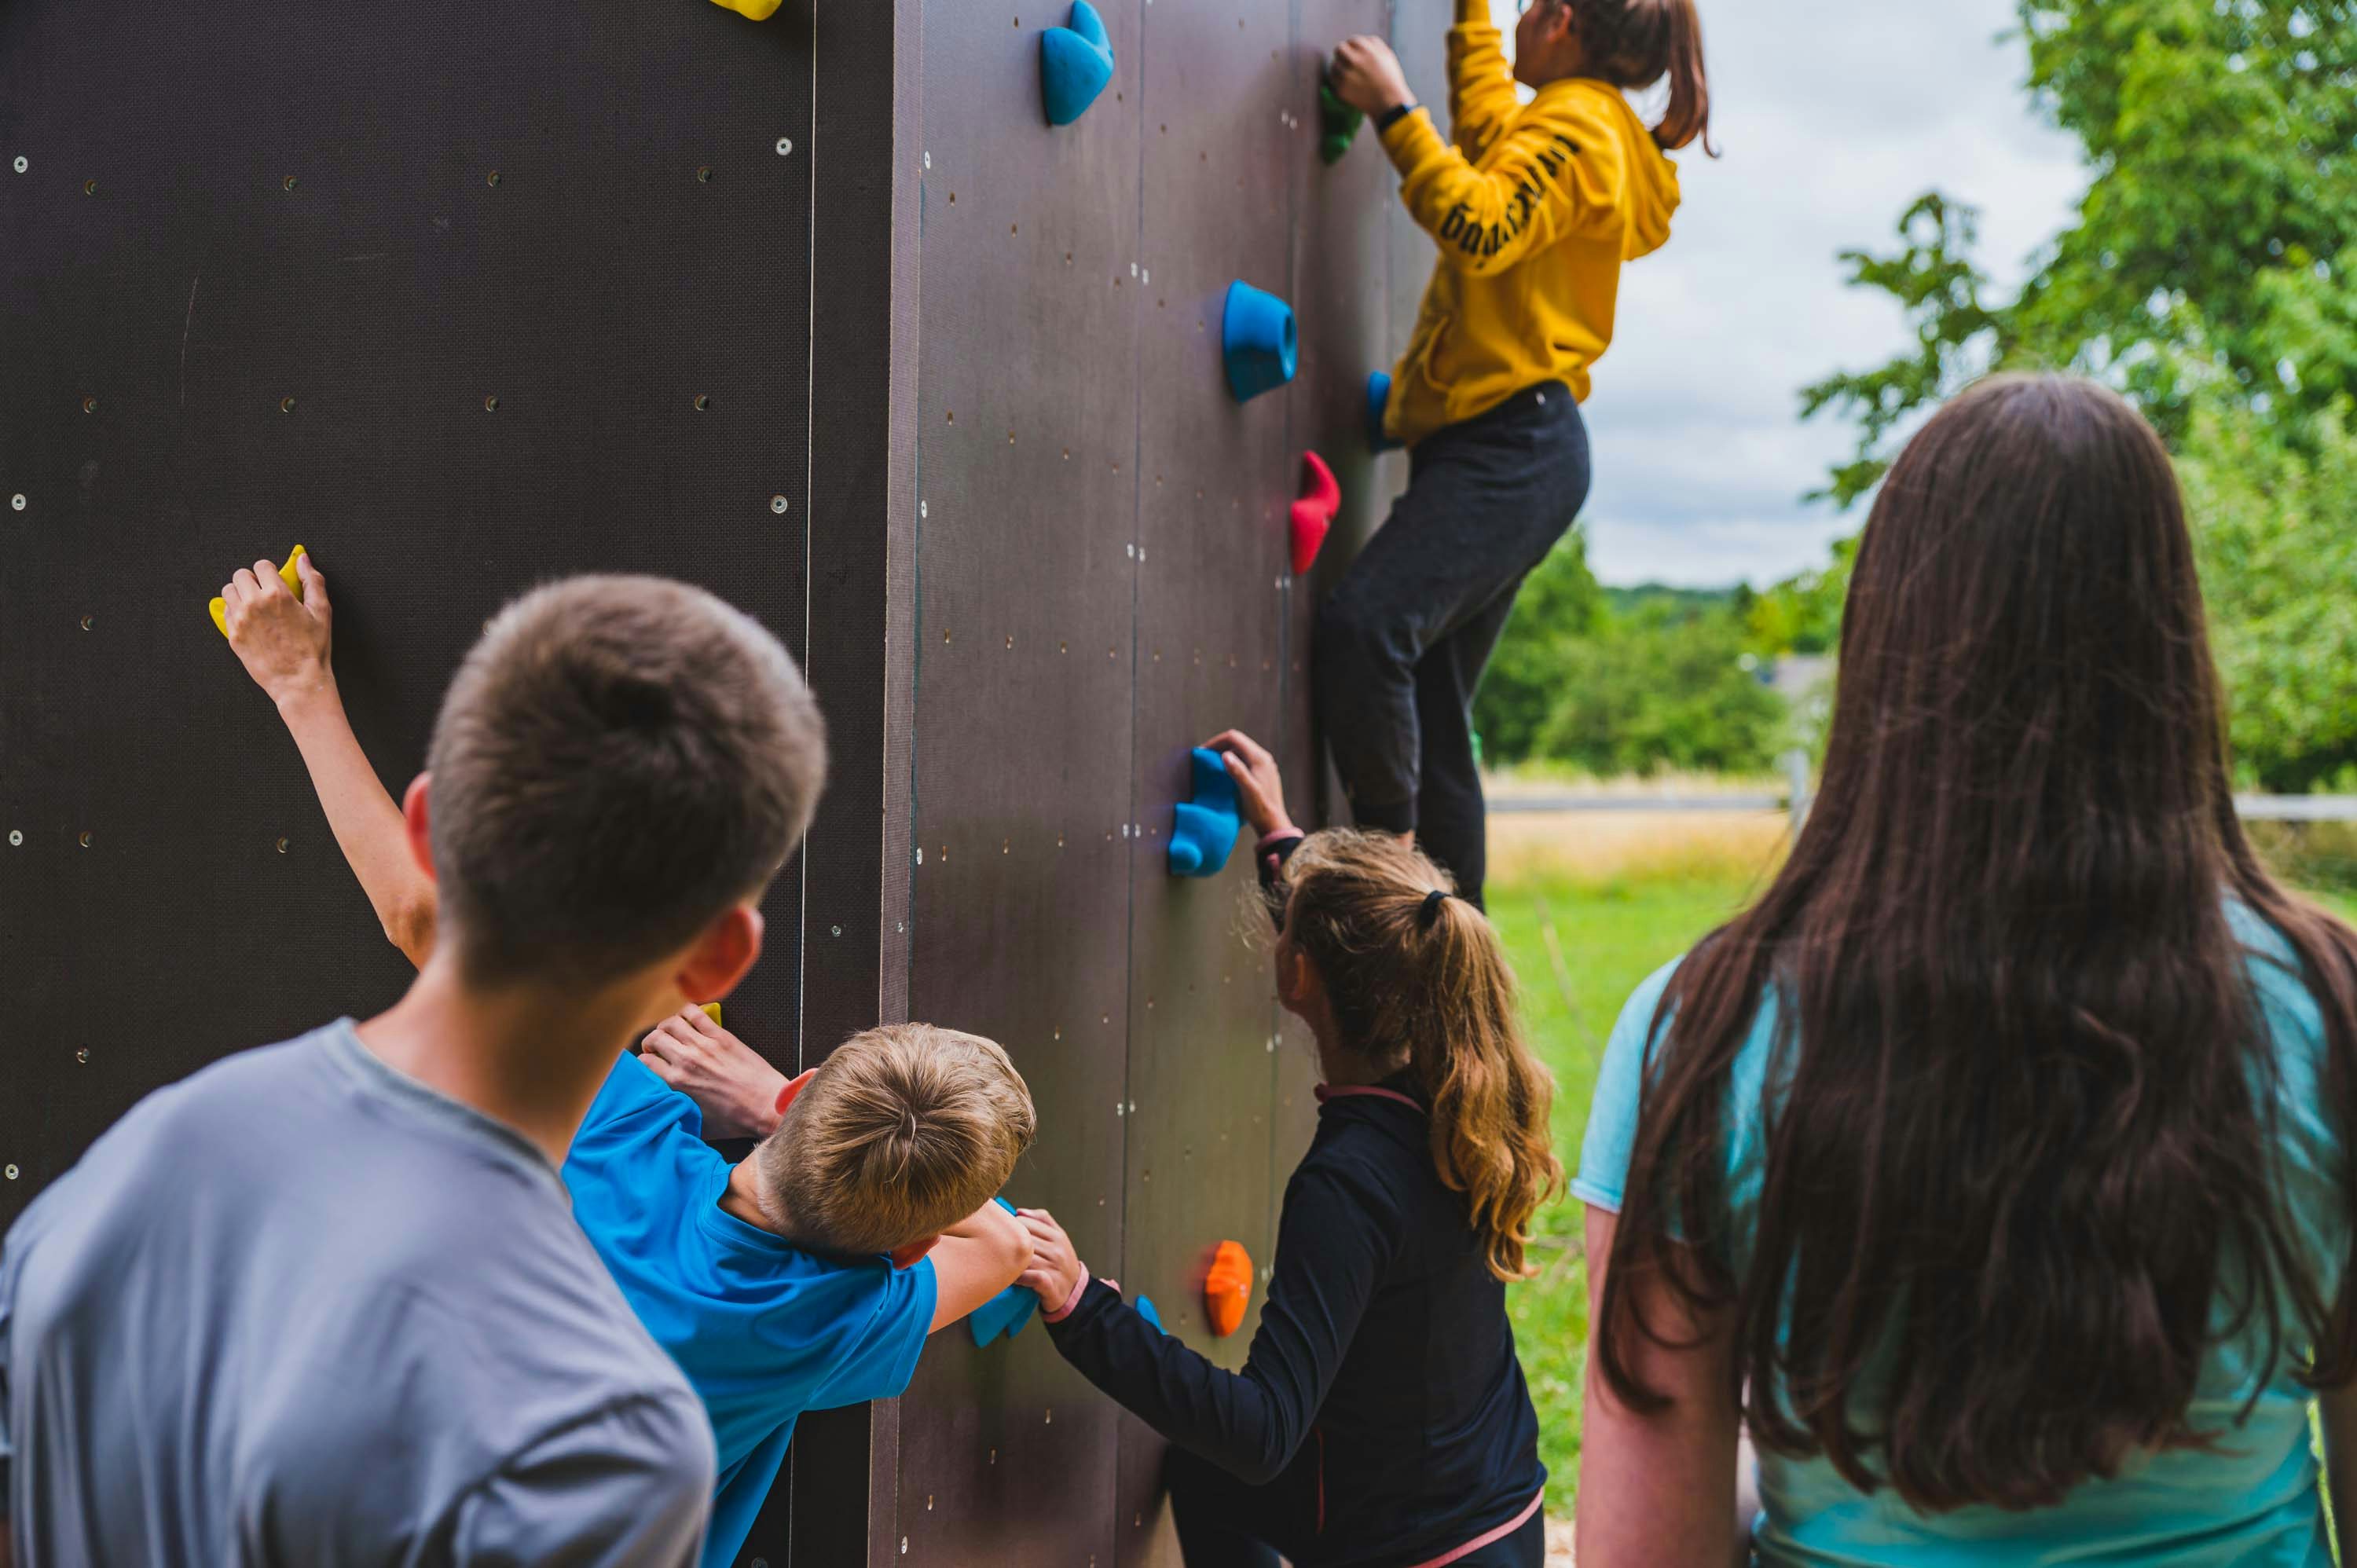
(1223, 1523)
(1403, 638)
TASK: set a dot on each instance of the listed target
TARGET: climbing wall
(464, 297)
(1103, 582)
(456, 295)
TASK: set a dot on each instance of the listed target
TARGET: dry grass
(1592, 848)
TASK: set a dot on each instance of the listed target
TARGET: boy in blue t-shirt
(805, 1277)
(890, 1150)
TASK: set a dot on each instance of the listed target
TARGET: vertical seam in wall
(1138, 865)
(810, 443)
(1286, 605)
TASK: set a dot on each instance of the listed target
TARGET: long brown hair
(1422, 982)
(2019, 1131)
(1635, 43)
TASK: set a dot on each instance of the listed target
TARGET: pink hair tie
(1071, 1301)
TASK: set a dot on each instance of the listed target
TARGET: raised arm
(1480, 80)
(284, 644)
(1558, 173)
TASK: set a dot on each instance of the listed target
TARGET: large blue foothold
(1203, 830)
(1256, 338)
(1379, 398)
(1006, 1313)
(1075, 63)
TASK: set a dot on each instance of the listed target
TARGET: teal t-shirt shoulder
(2252, 1503)
(763, 1329)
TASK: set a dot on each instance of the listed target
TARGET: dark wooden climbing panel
(436, 290)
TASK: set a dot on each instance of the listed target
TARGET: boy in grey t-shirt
(325, 1304)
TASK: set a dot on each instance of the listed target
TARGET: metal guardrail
(2253, 808)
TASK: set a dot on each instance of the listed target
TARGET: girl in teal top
(1991, 1171)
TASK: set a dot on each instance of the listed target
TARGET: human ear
(417, 821)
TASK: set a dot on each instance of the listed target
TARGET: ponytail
(1635, 43)
(1417, 980)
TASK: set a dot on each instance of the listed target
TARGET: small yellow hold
(758, 10)
(287, 574)
(711, 1010)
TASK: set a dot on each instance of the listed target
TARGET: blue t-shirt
(2252, 1503)
(763, 1329)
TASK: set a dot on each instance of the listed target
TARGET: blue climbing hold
(1256, 338)
(1146, 1310)
(1006, 1313)
(1203, 830)
(1075, 63)
(1379, 397)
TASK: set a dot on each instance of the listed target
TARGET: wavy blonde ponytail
(1423, 985)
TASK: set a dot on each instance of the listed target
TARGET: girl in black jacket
(1381, 1419)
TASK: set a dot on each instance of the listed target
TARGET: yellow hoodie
(1535, 207)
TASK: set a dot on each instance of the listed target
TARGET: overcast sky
(1833, 116)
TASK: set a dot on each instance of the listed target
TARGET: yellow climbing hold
(711, 1010)
(759, 10)
(287, 574)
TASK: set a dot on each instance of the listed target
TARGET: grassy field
(1589, 907)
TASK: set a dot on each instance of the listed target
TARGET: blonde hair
(1422, 982)
(903, 1131)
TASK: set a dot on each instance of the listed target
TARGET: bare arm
(2337, 1409)
(1658, 1489)
(977, 1258)
(284, 643)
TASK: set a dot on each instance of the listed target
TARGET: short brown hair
(617, 761)
(905, 1131)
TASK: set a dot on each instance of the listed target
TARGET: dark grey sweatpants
(1403, 638)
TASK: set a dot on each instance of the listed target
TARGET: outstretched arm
(285, 643)
(975, 1259)
(1332, 1250)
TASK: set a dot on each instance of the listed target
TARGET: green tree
(1660, 690)
(1559, 606)
(2277, 533)
(2212, 254)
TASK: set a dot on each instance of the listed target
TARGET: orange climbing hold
(1227, 1288)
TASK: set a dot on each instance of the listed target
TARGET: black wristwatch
(1394, 114)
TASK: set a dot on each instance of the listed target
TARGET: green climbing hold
(1338, 124)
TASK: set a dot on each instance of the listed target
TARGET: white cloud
(1833, 115)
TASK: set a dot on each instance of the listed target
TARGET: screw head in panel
(491, 402)
(90, 405)
(10, 1171)
(16, 501)
(286, 184)
(85, 838)
(89, 187)
(834, 931)
(785, 146)
(703, 174)
(82, 1055)
(777, 503)
(492, 178)
(16, 836)
(285, 405)
(21, 166)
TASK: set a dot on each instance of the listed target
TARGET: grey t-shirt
(300, 1309)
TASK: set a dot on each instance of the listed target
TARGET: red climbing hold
(1313, 514)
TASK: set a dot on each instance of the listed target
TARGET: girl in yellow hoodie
(1535, 206)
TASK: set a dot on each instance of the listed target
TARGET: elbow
(1263, 1468)
(409, 925)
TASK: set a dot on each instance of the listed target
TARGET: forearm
(1247, 1423)
(1480, 80)
(366, 822)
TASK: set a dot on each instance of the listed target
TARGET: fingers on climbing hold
(1313, 514)
(1338, 123)
(1257, 341)
(1203, 830)
(711, 1010)
(1227, 1288)
(1075, 64)
(286, 574)
(1378, 399)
